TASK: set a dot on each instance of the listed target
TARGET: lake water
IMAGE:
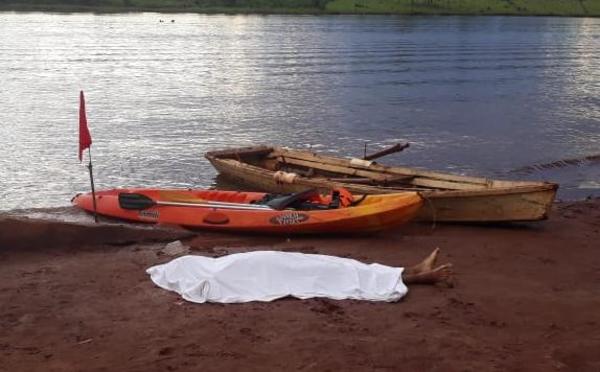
(473, 95)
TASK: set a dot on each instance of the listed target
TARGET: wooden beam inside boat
(334, 168)
(382, 178)
(368, 181)
(445, 185)
(374, 167)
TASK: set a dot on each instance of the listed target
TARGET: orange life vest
(345, 197)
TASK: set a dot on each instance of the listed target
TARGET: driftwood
(396, 148)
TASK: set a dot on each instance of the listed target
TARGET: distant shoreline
(552, 8)
(60, 8)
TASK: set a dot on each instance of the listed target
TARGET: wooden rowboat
(449, 197)
(242, 211)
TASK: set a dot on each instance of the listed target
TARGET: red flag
(85, 140)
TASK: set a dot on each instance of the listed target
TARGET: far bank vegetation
(449, 7)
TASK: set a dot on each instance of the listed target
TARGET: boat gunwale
(485, 190)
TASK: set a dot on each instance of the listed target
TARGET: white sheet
(268, 275)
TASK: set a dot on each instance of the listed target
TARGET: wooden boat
(241, 211)
(448, 197)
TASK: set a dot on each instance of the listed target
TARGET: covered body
(269, 275)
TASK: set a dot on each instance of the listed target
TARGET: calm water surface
(473, 95)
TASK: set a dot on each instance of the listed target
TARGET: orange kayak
(242, 211)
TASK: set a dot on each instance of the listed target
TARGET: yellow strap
(177, 197)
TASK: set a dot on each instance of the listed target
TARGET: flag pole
(92, 182)
(85, 141)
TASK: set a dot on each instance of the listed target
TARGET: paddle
(132, 201)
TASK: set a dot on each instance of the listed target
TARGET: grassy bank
(488, 7)
(441, 7)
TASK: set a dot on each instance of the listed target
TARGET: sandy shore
(526, 298)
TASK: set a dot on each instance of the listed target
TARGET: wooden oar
(133, 201)
(396, 148)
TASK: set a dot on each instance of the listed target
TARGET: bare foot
(441, 274)
(425, 265)
(444, 275)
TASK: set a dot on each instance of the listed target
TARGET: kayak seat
(280, 202)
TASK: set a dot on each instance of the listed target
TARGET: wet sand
(526, 298)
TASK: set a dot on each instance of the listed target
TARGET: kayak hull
(374, 213)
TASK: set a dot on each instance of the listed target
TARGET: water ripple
(479, 95)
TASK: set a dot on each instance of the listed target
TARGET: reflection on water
(477, 95)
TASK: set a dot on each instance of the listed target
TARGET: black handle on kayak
(135, 201)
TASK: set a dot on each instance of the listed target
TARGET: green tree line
(486, 7)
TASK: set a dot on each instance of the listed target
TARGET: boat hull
(376, 213)
(506, 201)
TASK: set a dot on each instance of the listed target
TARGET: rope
(432, 208)
(357, 202)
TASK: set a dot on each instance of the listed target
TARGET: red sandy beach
(527, 297)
